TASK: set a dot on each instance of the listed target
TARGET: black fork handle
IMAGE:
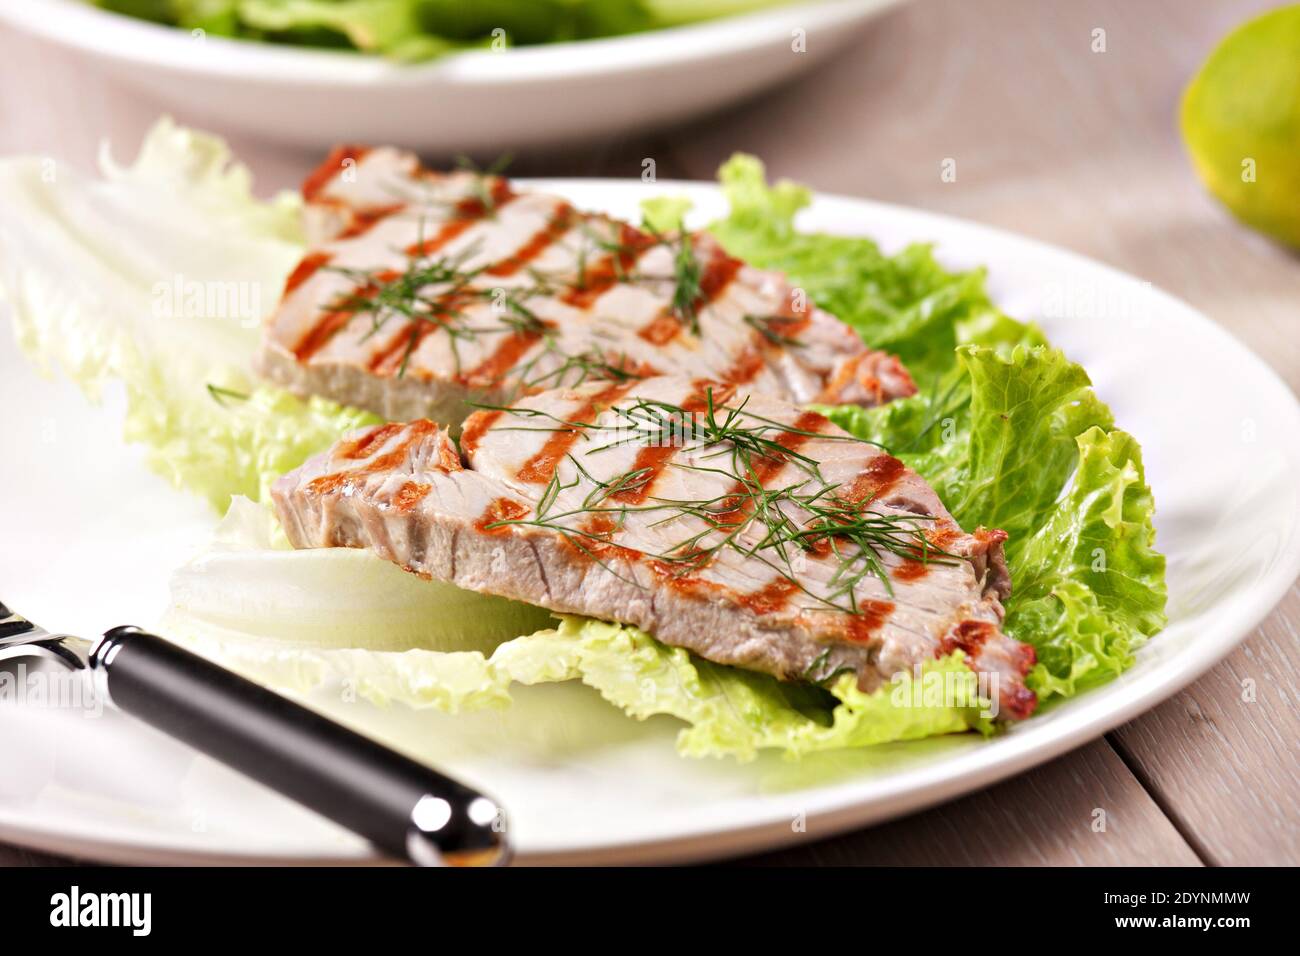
(405, 808)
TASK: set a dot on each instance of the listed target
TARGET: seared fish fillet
(426, 293)
(735, 525)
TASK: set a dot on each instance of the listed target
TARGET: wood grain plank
(21, 856)
(1223, 757)
(1045, 817)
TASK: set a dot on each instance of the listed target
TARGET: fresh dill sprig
(479, 184)
(222, 395)
(808, 519)
(687, 278)
(770, 327)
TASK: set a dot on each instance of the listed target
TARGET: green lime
(1241, 122)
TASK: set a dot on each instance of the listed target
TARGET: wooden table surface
(1053, 140)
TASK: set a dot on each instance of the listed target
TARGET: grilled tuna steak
(737, 526)
(428, 292)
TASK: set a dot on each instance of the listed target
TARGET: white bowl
(519, 97)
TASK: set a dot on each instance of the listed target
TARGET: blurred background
(1061, 120)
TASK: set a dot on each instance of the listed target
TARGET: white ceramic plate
(90, 538)
(480, 100)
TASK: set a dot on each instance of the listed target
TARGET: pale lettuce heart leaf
(158, 274)
(346, 619)
(733, 712)
(297, 620)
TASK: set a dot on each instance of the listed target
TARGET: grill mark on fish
(506, 356)
(474, 207)
(446, 233)
(365, 219)
(318, 336)
(862, 628)
(746, 368)
(541, 466)
(501, 509)
(768, 466)
(333, 320)
(910, 570)
(307, 267)
(370, 442)
(467, 213)
(967, 637)
(476, 426)
(771, 597)
(943, 535)
(880, 475)
(719, 271)
(390, 358)
(653, 459)
(333, 164)
(595, 540)
(342, 480)
(410, 494)
(774, 595)
(549, 234)
(610, 269)
(392, 355)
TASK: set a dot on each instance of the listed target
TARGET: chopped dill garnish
(783, 527)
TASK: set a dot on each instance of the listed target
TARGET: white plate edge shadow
(833, 808)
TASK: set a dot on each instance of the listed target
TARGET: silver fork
(405, 808)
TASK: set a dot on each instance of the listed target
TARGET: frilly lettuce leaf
(734, 712)
(158, 274)
(905, 303)
(1032, 450)
(1089, 583)
(1008, 431)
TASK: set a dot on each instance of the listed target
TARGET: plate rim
(832, 810)
(74, 24)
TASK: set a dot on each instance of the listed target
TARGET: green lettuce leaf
(1089, 584)
(423, 29)
(1008, 431)
(906, 303)
(734, 712)
(158, 275)
(1033, 451)
(390, 27)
